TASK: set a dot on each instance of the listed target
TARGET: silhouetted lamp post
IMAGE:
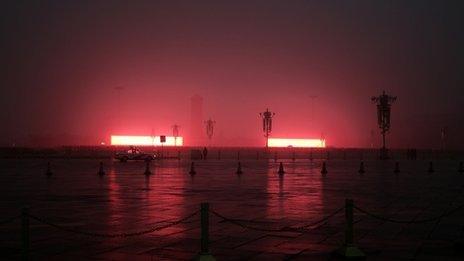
(444, 136)
(175, 133)
(383, 118)
(210, 128)
(267, 124)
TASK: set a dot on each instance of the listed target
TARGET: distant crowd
(411, 154)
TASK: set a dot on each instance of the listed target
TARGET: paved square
(272, 217)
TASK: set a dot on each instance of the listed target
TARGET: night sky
(62, 62)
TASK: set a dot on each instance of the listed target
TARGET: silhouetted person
(205, 152)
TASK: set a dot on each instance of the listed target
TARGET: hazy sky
(62, 61)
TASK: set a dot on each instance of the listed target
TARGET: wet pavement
(273, 217)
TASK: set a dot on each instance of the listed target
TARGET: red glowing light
(297, 143)
(146, 140)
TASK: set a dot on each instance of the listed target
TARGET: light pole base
(350, 252)
(384, 154)
(204, 257)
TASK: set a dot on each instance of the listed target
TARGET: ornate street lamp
(383, 102)
(175, 133)
(267, 124)
(210, 128)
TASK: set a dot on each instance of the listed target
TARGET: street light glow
(117, 140)
(297, 143)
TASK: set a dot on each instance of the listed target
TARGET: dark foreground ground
(273, 216)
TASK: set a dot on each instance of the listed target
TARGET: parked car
(134, 154)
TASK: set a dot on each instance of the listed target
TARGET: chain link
(376, 216)
(91, 234)
(236, 222)
(9, 220)
(324, 219)
(300, 229)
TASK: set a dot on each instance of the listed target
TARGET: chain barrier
(91, 234)
(213, 168)
(300, 229)
(376, 216)
(236, 222)
(259, 170)
(9, 220)
(324, 219)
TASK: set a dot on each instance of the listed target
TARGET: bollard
(349, 250)
(147, 168)
(48, 172)
(324, 169)
(281, 169)
(461, 167)
(204, 250)
(349, 222)
(361, 168)
(397, 168)
(101, 172)
(192, 169)
(239, 169)
(25, 233)
(431, 170)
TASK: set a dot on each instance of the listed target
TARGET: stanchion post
(204, 219)
(349, 222)
(349, 250)
(25, 233)
(204, 227)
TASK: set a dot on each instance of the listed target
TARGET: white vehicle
(134, 154)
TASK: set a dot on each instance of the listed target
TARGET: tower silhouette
(196, 120)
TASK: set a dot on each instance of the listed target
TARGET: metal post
(25, 233)
(349, 250)
(204, 228)
(204, 254)
(384, 147)
(267, 139)
(349, 221)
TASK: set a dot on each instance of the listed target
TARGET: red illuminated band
(297, 143)
(119, 140)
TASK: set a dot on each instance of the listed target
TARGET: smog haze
(75, 72)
